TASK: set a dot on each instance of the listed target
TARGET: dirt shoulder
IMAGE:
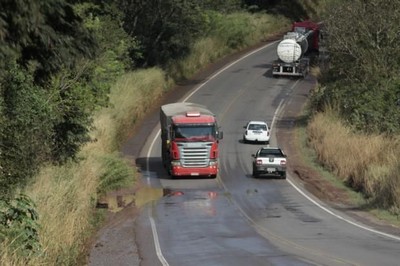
(307, 175)
(289, 139)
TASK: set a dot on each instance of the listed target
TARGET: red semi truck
(190, 138)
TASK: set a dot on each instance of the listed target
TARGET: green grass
(387, 216)
(117, 173)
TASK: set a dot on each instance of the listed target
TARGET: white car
(256, 131)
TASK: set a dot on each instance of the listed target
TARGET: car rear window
(257, 127)
(266, 153)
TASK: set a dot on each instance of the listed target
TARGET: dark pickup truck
(269, 161)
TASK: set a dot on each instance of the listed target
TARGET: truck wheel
(255, 174)
(307, 70)
(168, 167)
(283, 175)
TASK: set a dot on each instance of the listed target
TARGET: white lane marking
(225, 68)
(157, 242)
(269, 235)
(341, 217)
(148, 180)
(282, 105)
(324, 208)
(275, 115)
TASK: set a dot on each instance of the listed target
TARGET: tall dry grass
(132, 95)
(66, 197)
(230, 33)
(368, 163)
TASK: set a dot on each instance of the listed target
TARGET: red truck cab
(190, 137)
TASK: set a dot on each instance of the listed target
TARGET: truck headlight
(175, 163)
(213, 163)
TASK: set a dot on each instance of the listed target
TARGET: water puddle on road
(148, 194)
(116, 201)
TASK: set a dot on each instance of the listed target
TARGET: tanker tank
(292, 47)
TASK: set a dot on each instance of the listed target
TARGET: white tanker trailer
(292, 49)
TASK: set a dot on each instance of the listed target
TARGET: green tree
(363, 38)
(363, 79)
(49, 87)
(26, 128)
(105, 20)
(47, 35)
(293, 9)
(164, 28)
(224, 6)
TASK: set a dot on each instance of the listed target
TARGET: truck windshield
(301, 30)
(194, 132)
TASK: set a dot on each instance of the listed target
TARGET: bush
(26, 129)
(117, 173)
(19, 226)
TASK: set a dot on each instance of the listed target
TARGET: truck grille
(195, 154)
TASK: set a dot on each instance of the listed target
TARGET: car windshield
(257, 127)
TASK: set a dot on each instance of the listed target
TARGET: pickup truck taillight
(283, 162)
(259, 162)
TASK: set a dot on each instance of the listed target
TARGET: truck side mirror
(253, 155)
(220, 135)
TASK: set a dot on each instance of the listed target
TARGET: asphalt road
(236, 219)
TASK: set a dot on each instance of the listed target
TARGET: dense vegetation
(73, 76)
(356, 126)
(363, 81)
